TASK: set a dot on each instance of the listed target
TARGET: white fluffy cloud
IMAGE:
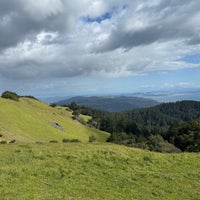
(60, 39)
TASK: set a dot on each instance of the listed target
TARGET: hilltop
(29, 120)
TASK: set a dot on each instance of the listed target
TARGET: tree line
(168, 127)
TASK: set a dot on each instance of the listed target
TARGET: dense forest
(168, 127)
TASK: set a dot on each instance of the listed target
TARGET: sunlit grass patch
(96, 171)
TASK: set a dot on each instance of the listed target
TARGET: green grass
(29, 120)
(83, 170)
(96, 171)
(85, 118)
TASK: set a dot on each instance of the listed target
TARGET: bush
(92, 138)
(75, 113)
(53, 141)
(53, 105)
(75, 140)
(12, 141)
(72, 140)
(1, 135)
(65, 140)
(10, 95)
(30, 97)
(3, 142)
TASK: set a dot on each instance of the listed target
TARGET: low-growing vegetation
(3, 142)
(53, 141)
(96, 171)
(92, 138)
(70, 140)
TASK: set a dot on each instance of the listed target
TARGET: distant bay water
(165, 96)
(160, 96)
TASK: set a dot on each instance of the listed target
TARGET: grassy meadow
(87, 171)
(29, 121)
(96, 171)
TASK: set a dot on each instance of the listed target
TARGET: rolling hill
(83, 170)
(111, 104)
(30, 120)
(150, 128)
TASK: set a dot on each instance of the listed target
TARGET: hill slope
(149, 127)
(111, 104)
(96, 171)
(164, 115)
(30, 120)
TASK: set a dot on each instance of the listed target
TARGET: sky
(95, 47)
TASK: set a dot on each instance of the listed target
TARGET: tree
(10, 95)
(185, 136)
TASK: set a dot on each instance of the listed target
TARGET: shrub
(10, 95)
(72, 140)
(65, 140)
(92, 138)
(75, 113)
(157, 143)
(53, 141)
(53, 105)
(75, 140)
(74, 117)
(3, 142)
(12, 141)
(30, 97)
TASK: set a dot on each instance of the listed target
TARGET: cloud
(23, 19)
(40, 10)
(160, 22)
(58, 39)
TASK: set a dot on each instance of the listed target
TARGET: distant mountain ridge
(112, 103)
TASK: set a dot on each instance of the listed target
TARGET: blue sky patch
(88, 19)
(194, 59)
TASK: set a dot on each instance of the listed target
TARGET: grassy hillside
(30, 120)
(96, 171)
